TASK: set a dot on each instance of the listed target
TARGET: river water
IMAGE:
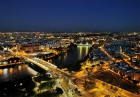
(16, 72)
(71, 57)
(20, 71)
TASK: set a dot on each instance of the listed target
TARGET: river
(20, 71)
(71, 57)
(16, 72)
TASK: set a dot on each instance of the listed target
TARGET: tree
(59, 90)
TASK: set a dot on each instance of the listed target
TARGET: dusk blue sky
(70, 15)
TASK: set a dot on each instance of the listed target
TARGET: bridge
(47, 66)
(85, 43)
(41, 63)
(81, 44)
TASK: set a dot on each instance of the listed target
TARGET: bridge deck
(84, 44)
(47, 66)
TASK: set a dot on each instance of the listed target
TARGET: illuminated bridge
(47, 66)
(44, 65)
(84, 44)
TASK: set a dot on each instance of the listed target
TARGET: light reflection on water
(11, 70)
(71, 57)
(65, 56)
(19, 68)
(15, 72)
(1, 71)
(80, 52)
(87, 49)
(5, 71)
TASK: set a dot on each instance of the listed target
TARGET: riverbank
(56, 52)
(70, 57)
(10, 65)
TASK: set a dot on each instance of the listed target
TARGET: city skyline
(78, 15)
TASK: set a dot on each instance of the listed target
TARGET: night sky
(70, 15)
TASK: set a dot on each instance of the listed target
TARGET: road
(110, 56)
